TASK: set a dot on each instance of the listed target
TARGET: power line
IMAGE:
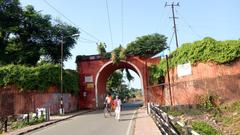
(189, 26)
(88, 40)
(109, 23)
(174, 22)
(170, 42)
(162, 18)
(55, 9)
(84, 41)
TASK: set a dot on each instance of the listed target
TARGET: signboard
(184, 69)
(90, 85)
(88, 79)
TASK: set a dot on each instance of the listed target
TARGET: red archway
(94, 72)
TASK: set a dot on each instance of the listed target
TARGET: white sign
(184, 69)
(88, 79)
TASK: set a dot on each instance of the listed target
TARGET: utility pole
(174, 22)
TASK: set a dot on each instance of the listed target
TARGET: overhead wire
(109, 23)
(162, 18)
(170, 42)
(84, 41)
(55, 9)
(87, 40)
(189, 26)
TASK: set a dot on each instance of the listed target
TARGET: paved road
(93, 123)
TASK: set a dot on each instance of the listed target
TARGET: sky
(219, 19)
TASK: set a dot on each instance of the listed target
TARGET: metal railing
(166, 122)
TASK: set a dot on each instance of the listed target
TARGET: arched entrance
(94, 72)
(105, 71)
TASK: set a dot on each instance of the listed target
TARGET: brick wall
(155, 94)
(93, 66)
(220, 79)
(14, 102)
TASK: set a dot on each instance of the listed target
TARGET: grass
(225, 118)
(204, 128)
(186, 111)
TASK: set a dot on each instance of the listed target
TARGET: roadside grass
(212, 120)
(204, 128)
(16, 124)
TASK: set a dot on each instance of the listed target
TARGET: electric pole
(174, 22)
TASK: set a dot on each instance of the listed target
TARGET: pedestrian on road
(108, 102)
(118, 108)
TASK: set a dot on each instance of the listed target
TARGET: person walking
(118, 104)
(108, 102)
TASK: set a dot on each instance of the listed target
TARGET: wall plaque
(88, 78)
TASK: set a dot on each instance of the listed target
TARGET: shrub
(204, 50)
(236, 106)
(204, 128)
(118, 54)
(38, 78)
(205, 101)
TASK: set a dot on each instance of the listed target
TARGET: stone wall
(222, 80)
(14, 102)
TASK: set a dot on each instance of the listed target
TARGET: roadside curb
(47, 124)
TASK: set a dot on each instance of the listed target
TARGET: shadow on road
(125, 107)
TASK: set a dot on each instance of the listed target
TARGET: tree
(101, 49)
(115, 80)
(147, 46)
(31, 35)
(116, 86)
(10, 13)
(118, 54)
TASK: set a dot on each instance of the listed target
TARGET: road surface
(93, 123)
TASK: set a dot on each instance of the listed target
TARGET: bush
(36, 120)
(204, 50)
(118, 54)
(206, 102)
(38, 78)
(204, 128)
(236, 106)
(18, 124)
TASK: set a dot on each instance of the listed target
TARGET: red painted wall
(14, 102)
(93, 64)
(155, 94)
(220, 79)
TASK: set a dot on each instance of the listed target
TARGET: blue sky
(219, 19)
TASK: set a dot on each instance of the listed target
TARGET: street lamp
(61, 110)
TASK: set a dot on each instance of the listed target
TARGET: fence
(166, 123)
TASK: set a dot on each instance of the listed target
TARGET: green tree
(116, 86)
(10, 13)
(26, 34)
(101, 49)
(115, 80)
(147, 45)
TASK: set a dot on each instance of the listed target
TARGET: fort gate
(94, 72)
